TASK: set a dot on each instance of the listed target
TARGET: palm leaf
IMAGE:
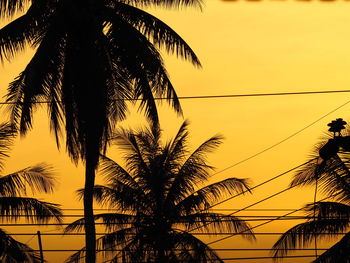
(209, 222)
(113, 172)
(166, 4)
(39, 178)
(195, 170)
(39, 80)
(156, 31)
(303, 234)
(10, 7)
(112, 222)
(337, 253)
(205, 197)
(12, 251)
(192, 249)
(14, 208)
(146, 68)
(7, 135)
(328, 210)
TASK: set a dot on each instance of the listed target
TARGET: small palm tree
(326, 218)
(13, 206)
(158, 197)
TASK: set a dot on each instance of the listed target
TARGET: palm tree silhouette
(158, 197)
(327, 218)
(13, 206)
(90, 56)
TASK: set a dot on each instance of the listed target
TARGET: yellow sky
(245, 47)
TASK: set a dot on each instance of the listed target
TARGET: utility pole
(40, 248)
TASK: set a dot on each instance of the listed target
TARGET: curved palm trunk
(90, 231)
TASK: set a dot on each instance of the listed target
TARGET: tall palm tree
(13, 206)
(327, 218)
(158, 197)
(90, 56)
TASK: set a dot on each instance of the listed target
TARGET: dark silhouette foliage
(329, 217)
(90, 56)
(13, 206)
(158, 197)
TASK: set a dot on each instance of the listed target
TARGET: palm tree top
(159, 196)
(329, 170)
(9, 8)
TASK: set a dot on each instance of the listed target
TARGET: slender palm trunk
(90, 231)
(160, 251)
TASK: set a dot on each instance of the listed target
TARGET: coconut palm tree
(90, 55)
(13, 206)
(329, 217)
(158, 197)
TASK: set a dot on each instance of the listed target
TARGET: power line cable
(259, 185)
(258, 202)
(218, 249)
(218, 96)
(255, 258)
(267, 222)
(46, 233)
(218, 209)
(283, 140)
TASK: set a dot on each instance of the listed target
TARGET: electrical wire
(267, 222)
(217, 249)
(261, 184)
(283, 140)
(220, 96)
(194, 233)
(255, 258)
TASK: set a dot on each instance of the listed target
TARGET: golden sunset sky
(245, 47)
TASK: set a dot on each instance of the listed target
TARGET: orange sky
(245, 47)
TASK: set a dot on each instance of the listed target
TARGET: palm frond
(328, 210)
(337, 253)
(112, 222)
(39, 80)
(8, 8)
(209, 222)
(38, 178)
(333, 176)
(194, 171)
(135, 160)
(7, 135)
(146, 69)
(24, 30)
(191, 249)
(113, 172)
(207, 196)
(165, 4)
(178, 146)
(303, 234)
(156, 31)
(338, 180)
(14, 208)
(308, 173)
(119, 197)
(77, 257)
(12, 251)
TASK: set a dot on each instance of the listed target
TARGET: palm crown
(158, 197)
(90, 56)
(13, 206)
(327, 218)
